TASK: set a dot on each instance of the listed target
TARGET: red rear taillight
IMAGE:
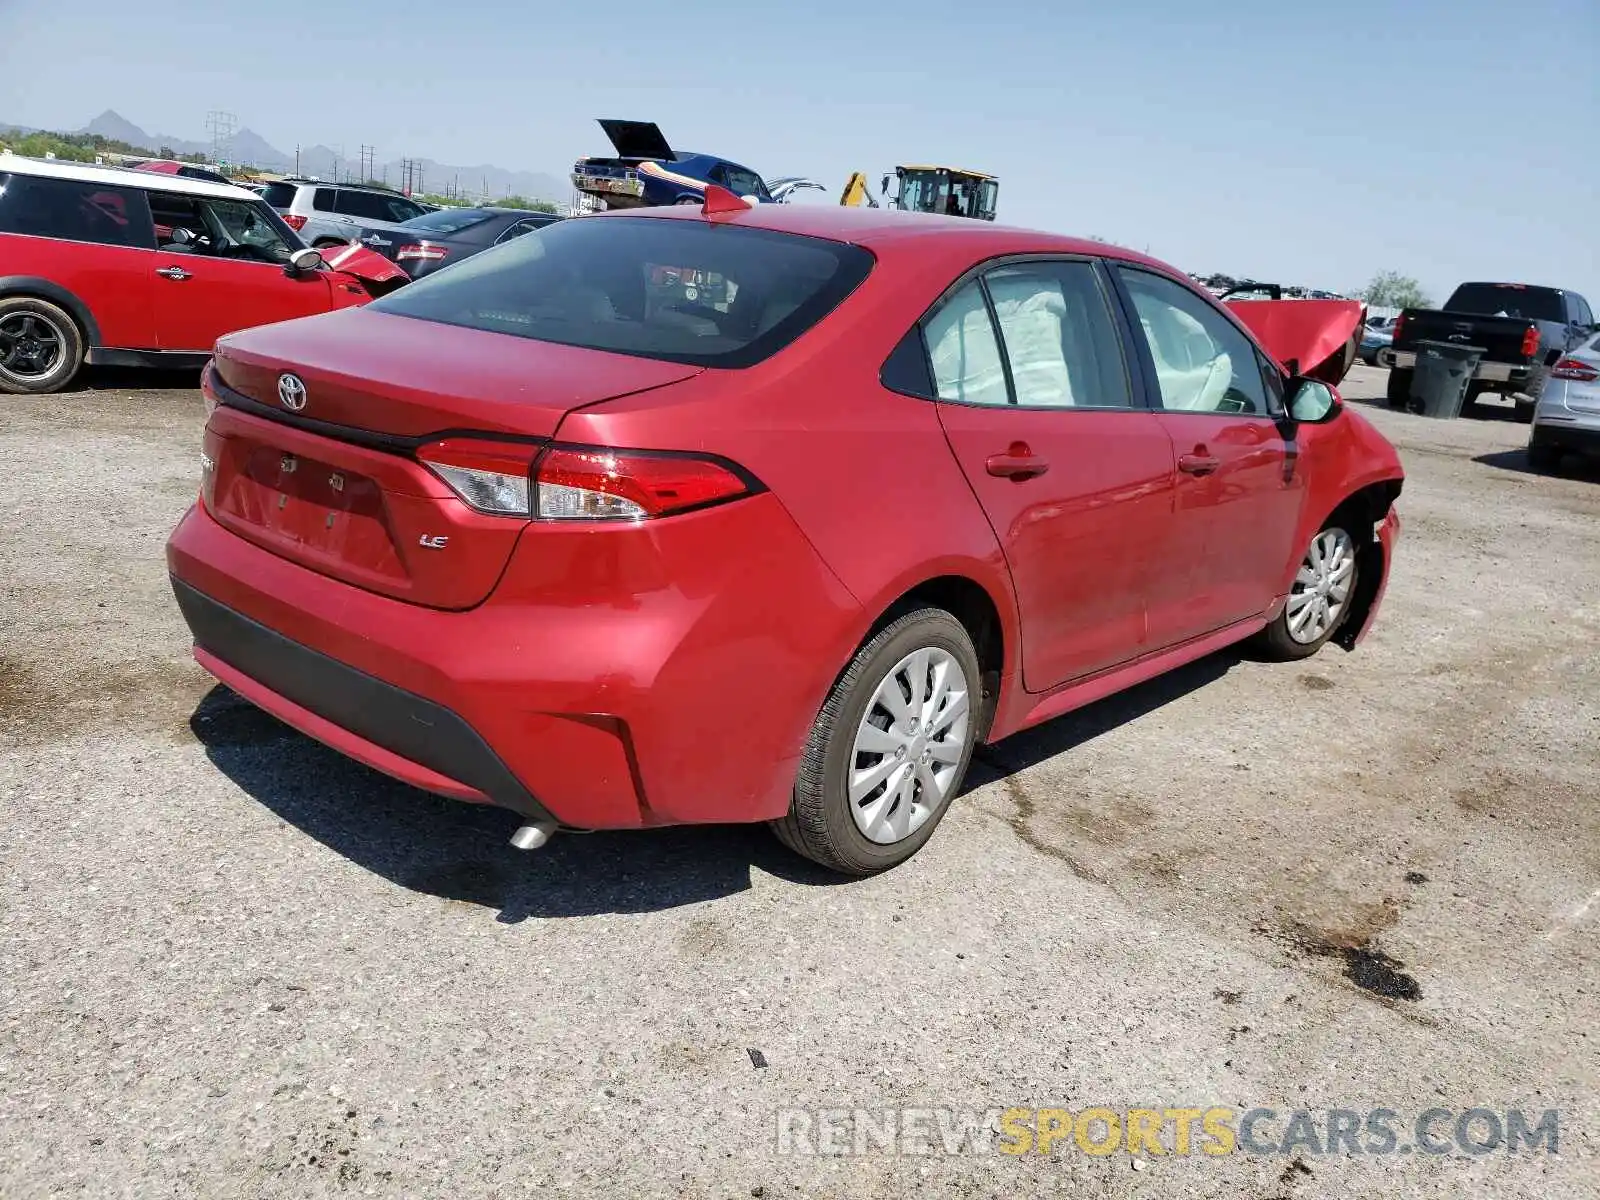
(595, 484)
(580, 483)
(294, 221)
(1530, 341)
(1576, 369)
(422, 250)
(491, 477)
(1395, 331)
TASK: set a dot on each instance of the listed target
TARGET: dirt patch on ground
(44, 701)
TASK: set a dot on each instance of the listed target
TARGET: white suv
(328, 214)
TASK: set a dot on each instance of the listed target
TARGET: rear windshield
(1508, 300)
(678, 290)
(447, 220)
(279, 195)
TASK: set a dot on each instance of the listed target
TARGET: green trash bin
(1444, 372)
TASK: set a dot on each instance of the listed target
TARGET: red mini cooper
(102, 265)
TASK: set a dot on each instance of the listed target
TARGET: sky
(1279, 139)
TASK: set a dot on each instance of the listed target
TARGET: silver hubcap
(909, 746)
(30, 345)
(1322, 586)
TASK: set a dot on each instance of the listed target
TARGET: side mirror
(303, 262)
(1312, 402)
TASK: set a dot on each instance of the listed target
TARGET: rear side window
(279, 195)
(374, 206)
(74, 211)
(1058, 335)
(964, 351)
(677, 290)
(323, 199)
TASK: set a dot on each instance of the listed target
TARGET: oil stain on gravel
(42, 703)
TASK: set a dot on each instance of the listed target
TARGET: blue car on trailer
(646, 172)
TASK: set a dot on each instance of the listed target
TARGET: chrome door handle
(1197, 464)
(173, 272)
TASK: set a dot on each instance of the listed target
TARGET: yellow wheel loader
(947, 190)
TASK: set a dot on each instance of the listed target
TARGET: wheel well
(1360, 513)
(969, 603)
(42, 289)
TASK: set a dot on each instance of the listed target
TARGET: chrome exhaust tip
(531, 837)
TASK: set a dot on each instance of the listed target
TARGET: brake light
(579, 483)
(1530, 341)
(1576, 369)
(1397, 328)
(294, 221)
(593, 484)
(491, 477)
(422, 250)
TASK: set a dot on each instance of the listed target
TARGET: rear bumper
(390, 729)
(1570, 433)
(667, 681)
(1493, 372)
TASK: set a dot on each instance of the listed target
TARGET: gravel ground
(235, 964)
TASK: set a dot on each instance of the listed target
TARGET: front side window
(680, 291)
(235, 229)
(73, 211)
(1058, 336)
(963, 350)
(1202, 362)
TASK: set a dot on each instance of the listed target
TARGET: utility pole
(367, 164)
(297, 158)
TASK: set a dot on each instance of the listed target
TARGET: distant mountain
(323, 162)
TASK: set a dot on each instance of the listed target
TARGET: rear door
(1074, 474)
(220, 268)
(1238, 494)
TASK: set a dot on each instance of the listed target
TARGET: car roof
(55, 168)
(872, 227)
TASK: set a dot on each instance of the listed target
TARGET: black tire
(326, 243)
(41, 346)
(1398, 389)
(1277, 643)
(1543, 457)
(689, 200)
(819, 824)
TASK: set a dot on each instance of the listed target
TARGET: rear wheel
(688, 200)
(890, 748)
(1319, 599)
(1398, 389)
(41, 347)
(1528, 399)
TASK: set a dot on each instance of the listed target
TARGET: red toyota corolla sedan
(760, 514)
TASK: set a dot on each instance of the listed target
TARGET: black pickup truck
(1522, 329)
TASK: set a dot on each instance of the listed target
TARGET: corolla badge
(292, 392)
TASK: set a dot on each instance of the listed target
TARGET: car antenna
(720, 202)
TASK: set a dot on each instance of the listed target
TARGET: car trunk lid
(326, 472)
(637, 139)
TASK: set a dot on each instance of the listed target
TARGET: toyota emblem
(292, 392)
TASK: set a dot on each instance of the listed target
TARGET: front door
(1074, 476)
(219, 268)
(1238, 490)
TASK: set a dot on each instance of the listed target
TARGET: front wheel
(890, 748)
(41, 347)
(1319, 599)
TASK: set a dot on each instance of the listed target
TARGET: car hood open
(1317, 334)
